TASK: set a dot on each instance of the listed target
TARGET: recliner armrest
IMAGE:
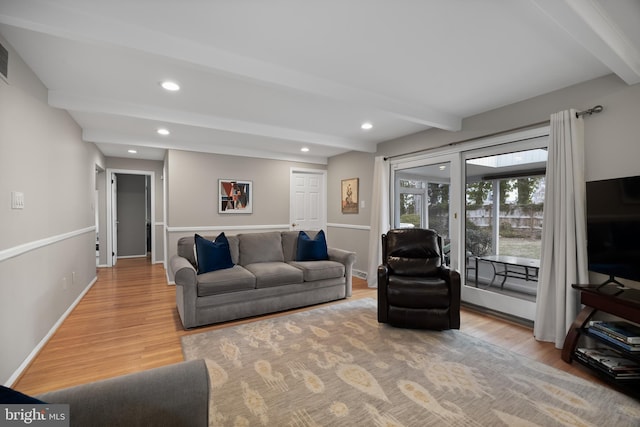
(383, 276)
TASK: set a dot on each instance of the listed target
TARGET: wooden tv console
(620, 302)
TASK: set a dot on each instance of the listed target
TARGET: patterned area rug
(336, 365)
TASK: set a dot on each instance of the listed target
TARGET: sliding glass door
(486, 202)
(504, 201)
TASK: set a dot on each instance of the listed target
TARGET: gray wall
(611, 137)
(47, 249)
(132, 215)
(351, 231)
(192, 193)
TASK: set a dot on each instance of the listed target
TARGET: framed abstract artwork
(235, 196)
(349, 192)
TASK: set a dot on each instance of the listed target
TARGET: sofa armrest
(174, 395)
(342, 256)
(346, 258)
(184, 273)
(186, 279)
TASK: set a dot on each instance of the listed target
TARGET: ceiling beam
(107, 137)
(73, 102)
(588, 22)
(55, 19)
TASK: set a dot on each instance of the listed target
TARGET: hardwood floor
(128, 322)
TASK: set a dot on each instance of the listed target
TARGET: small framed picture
(349, 191)
(235, 196)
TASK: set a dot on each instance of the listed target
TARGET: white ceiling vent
(4, 62)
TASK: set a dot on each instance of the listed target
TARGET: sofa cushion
(212, 255)
(186, 249)
(312, 249)
(289, 245)
(234, 244)
(231, 279)
(319, 270)
(270, 274)
(260, 247)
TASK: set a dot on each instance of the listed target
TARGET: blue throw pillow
(11, 396)
(312, 250)
(212, 256)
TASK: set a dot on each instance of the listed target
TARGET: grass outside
(514, 246)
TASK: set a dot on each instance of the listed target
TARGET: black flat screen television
(613, 227)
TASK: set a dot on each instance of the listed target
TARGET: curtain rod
(593, 110)
(590, 111)
(451, 144)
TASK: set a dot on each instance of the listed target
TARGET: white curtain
(379, 218)
(564, 249)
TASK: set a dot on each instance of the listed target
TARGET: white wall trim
(14, 377)
(255, 227)
(359, 273)
(30, 246)
(351, 226)
(227, 228)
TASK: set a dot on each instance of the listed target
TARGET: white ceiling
(265, 78)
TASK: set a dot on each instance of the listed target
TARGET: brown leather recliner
(415, 288)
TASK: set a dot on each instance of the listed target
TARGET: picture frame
(235, 196)
(349, 193)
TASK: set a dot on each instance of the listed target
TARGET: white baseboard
(13, 378)
(360, 274)
(169, 281)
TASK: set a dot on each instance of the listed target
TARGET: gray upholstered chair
(172, 396)
(415, 287)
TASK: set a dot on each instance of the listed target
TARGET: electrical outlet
(64, 283)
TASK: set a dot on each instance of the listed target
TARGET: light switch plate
(17, 200)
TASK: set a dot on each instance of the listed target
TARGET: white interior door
(308, 199)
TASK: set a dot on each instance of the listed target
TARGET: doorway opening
(130, 215)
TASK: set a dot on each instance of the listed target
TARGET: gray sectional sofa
(265, 278)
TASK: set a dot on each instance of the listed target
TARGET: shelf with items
(626, 380)
(610, 362)
(631, 350)
(610, 348)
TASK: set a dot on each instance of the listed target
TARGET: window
(423, 199)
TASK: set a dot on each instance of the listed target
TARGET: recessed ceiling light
(366, 126)
(170, 86)
(132, 151)
(304, 149)
(163, 131)
(443, 167)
